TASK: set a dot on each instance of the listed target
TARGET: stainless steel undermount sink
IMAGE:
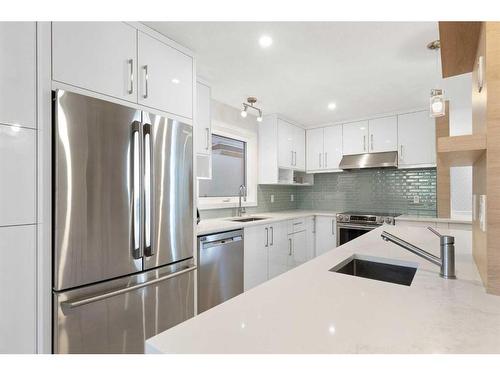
(375, 269)
(247, 219)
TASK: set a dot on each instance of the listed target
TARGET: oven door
(347, 232)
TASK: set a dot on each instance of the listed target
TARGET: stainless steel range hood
(374, 160)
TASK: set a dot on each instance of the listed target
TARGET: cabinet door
(325, 234)
(311, 237)
(18, 73)
(97, 56)
(299, 148)
(255, 256)
(286, 136)
(17, 289)
(299, 249)
(383, 134)
(417, 139)
(333, 147)
(203, 120)
(355, 138)
(314, 149)
(278, 248)
(165, 77)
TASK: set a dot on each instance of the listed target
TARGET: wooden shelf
(462, 150)
(459, 41)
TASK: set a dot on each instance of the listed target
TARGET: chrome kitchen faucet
(447, 259)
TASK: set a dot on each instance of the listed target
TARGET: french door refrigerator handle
(112, 293)
(147, 147)
(135, 172)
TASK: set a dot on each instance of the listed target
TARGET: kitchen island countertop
(311, 310)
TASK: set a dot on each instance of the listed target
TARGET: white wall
(458, 90)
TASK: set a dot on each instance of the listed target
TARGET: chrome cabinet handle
(272, 236)
(99, 297)
(292, 159)
(364, 143)
(319, 159)
(326, 159)
(148, 182)
(401, 152)
(135, 191)
(267, 237)
(208, 138)
(371, 137)
(131, 76)
(290, 246)
(146, 77)
(333, 227)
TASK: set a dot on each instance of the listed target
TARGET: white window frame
(251, 160)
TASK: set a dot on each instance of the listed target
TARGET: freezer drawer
(118, 316)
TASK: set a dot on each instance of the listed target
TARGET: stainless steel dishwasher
(220, 268)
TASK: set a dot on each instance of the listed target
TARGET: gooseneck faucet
(243, 193)
(447, 245)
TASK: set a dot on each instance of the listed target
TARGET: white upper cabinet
(332, 147)
(383, 134)
(203, 132)
(355, 138)
(203, 120)
(97, 56)
(299, 140)
(165, 77)
(324, 149)
(314, 149)
(18, 73)
(416, 140)
(282, 152)
(286, 144)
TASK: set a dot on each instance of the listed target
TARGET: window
(228, 168)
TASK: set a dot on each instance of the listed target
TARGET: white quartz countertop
(432, 219)
(312, 310)
(208, 226)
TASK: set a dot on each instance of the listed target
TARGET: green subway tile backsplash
(390, 190)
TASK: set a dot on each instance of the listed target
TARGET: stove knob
(380, 220)
(388, 220)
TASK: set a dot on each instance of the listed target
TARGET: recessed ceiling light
(332, 106)
(176, 80)
(265, 41)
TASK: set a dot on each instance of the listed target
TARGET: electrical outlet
(416, 199)
(272, 198)
(292, 198)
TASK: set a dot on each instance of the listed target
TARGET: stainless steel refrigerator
(123, 266)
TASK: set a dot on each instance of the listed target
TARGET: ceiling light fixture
(250, 104)
(265, 41)
(332, 106)
(436, 101)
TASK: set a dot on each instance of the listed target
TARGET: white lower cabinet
(256, 256)
(17, 289)
(311, 237)
(326, 238)
(297, 249)
(278, 248)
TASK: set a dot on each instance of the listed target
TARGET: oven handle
(354, 226)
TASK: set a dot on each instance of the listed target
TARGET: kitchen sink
(247, 219)
(375, 270)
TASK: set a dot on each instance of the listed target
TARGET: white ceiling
(366, 68)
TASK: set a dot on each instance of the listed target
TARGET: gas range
(369, 218)
(352, 224)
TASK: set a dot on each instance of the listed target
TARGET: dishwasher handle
(224, 241)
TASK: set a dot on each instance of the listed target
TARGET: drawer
(296, 225)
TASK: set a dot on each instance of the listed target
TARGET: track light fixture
(250, 104)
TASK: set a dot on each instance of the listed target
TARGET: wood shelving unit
(462, 150)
